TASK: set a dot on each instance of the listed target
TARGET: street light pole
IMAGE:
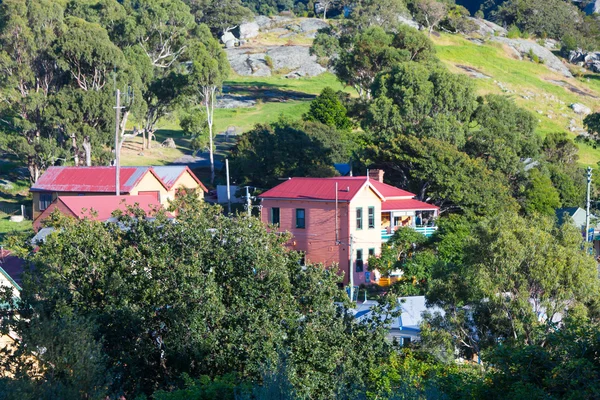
(587, 206)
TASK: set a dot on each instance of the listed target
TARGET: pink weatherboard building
(344, 220)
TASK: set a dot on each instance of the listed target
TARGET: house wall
(5, 282)
(318, 239)
(55, 195)
(150, 183)
(37, 223)
(185, 181)
(365, 238)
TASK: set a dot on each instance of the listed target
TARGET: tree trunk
(75, 150)
(209, 100)
(325, 11)
(34, 170)
(87, 146)
(150, 133)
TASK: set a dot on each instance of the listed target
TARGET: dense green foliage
(207, 295)
(328, 109)
(271, 152)
(62, 65)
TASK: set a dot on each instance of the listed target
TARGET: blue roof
(343, 168)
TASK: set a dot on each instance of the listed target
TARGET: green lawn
(278, 96)
(7, 227)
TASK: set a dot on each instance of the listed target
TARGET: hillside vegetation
(532, 85)
(493, 67)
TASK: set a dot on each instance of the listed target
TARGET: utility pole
(587, 206)
(248, 201)
(228, 187)
(117, 161)
(351, 268)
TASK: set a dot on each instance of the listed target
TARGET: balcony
(386, 234)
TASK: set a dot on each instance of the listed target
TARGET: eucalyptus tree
(514, 281)
(29, 78)
(209, 68)
(158, 31)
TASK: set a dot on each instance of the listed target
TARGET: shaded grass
(7, 227)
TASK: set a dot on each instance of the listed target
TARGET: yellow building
(84, 181)
(178, 177)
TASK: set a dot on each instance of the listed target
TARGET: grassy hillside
(533, 86)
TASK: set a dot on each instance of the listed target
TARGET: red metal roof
(90, 179)
(316, 188)
(104, 206)
(391, 192)
(408, 204)
(324, 189)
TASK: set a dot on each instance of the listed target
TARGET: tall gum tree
(209, 69)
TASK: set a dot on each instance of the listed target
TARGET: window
(45, 200)
(371, 252)
(302, 260)
(359, 260)
(371, 217)
(275, 215)
(300, 218)
(359, 217)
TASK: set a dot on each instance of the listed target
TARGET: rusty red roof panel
(391, 192)
(88, 179)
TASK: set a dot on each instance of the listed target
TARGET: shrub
(269, 62)
(533, 57)
(513, 32)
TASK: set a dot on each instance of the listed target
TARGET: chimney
(376, 174)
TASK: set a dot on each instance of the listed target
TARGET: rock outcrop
(296, 61)
(580, 109)
(525, 47)
(589, 60)
(486, 28)
(249, 30)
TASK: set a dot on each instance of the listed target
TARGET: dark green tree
(439, 172)
(358, 56)
(540, 196)
(502, 135)
(219, 15)
(516, 276)
(329, 110)
(270, 152)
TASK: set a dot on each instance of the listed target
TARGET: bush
(513, 32)
(269, 62)
(568, 43)
(533, 57)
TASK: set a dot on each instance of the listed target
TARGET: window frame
(44, 196)
(360, 262)
(272, 216)
(359, 219)
(303, 226)
(371, 214)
